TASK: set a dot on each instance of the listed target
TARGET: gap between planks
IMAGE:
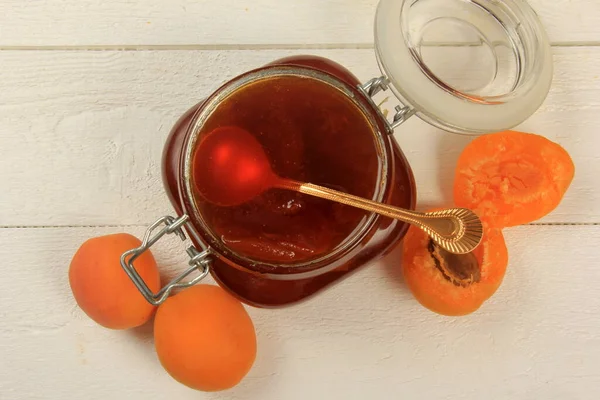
(292, 46)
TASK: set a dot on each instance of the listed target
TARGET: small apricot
(511, 177)
(453, 284)
(204, 338)
(101, 287)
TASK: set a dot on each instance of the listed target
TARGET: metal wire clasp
(199, 261)
(376, 85)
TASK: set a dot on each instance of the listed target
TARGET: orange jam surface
(311, 132)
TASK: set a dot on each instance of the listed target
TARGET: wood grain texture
(366, 337)
(234, 22)
(81, 135)
(83, 132)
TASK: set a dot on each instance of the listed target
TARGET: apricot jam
(315, 126)
(309, 133)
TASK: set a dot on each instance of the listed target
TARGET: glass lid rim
(476, 117)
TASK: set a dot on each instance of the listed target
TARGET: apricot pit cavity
(460, 269)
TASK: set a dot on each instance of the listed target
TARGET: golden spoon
(457, 230)
(230, 168)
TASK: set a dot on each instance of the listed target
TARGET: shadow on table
(392, 265)
(144, 333)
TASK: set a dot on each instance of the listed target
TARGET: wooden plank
(231, 22)
(82, 132)
(536, 338)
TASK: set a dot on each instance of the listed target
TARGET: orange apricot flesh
(204, 338)
(512, 178)
(101, 287)
(451, 284)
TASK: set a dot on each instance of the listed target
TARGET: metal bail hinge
(199, 260)
(376, 85)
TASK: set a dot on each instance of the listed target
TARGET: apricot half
(511, 177)
(101, 287)
(452, 284)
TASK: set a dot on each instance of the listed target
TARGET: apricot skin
(204, 338)
(101, 287)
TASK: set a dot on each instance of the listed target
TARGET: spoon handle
(457, 230)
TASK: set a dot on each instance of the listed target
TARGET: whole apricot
(101, 287)
(204, 338)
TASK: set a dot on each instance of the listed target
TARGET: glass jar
(273, 284)
(425, 49)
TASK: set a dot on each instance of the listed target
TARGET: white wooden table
(88, 92)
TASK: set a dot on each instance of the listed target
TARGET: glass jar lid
(467, 66)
